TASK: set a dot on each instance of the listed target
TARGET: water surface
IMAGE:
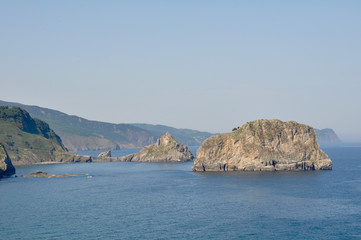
(167, 201)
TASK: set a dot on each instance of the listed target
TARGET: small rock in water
(47, 175)
(42, 174)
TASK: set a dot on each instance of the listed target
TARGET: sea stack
(263, 145)
(166, 149)
(6, 167)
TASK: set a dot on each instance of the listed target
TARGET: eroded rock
(166, 149)
(263, 145)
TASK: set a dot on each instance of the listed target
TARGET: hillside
(28, 140)
(327, 136)
(81, 134)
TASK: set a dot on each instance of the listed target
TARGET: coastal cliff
(6, 167)
(166, 149)
(263, 145)
(28, 140)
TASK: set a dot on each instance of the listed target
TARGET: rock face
(106, 154)
(263, 145)
(166, 149)
(6, 167)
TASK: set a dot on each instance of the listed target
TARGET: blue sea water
(122, 200)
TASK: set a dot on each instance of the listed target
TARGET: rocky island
(263, 145)
(6, 167)
(166, 149)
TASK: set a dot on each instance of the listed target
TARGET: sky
(204, 65)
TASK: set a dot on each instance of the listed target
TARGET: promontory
(166, 149)
(263, 145)
(28, 140)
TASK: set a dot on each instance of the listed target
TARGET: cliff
(29, 141)
(6, 167)
(263, 145)
(166, 149)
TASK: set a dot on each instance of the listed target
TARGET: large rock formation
(263, 145)
(166, 149)
(6, 167)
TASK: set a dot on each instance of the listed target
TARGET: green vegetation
(29, 140)
(81, 134)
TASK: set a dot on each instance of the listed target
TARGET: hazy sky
(205, 65)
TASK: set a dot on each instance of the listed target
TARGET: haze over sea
(125, 200)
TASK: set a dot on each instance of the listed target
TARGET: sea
(125, 200)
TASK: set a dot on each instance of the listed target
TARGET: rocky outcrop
(6, 167)
(42, 174)
(106, 154)
(263, 145)
(166, 149)
(77, 159)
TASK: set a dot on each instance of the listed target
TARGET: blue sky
(205, 65)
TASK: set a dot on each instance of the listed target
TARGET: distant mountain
(28, 140)
(327, 136)
(81, 134)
